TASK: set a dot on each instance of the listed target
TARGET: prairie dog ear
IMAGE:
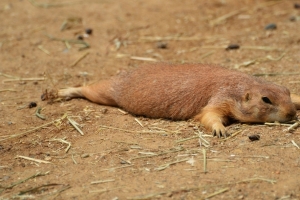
(247, 97)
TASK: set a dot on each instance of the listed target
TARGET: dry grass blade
(295, 144)
(216, 193)
(257, 179)
(159, 131)
(8, 90)
(276, 74)
(79, 59)
(293, 126)
(75, 125)
(114, 168)
(206, 55)
(204, 161)
(148, 196)
(24, 180)
(219, 20)
(36, 189)
(152, 155)
(143, 59)
(187, 139)
(49, 5)
(164, 166)
(39, 115)
(34, 129)
(233, 135)
(70, 41)
(139, 122)
(23, 79)
(102, 181)
(33, 159)
(7, 75)
(40, 47)
(63, 141)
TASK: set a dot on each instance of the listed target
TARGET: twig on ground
(49, 5)
(102, 181)
(79, 59)
(75, 125)
(159, 154)
(233, 135)
(40, 47)
(204, 161)
(23, 79)
(295, 144)
(114, 168)
(164, 166)
(63, 141)
(138, 121)
(39, 115)
(216, 193)
(143, 59)
(33, 159)
(23, 180)
(8, 90)
(34, 129)
(71, 41)
(293, 126)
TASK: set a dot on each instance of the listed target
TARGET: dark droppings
(254, 137)
(271, 26)
(233, 46)
(32, 105)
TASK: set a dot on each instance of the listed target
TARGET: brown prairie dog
(209, 94)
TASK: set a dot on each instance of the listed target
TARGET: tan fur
(210, 94)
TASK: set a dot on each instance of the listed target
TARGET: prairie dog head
(266, 103)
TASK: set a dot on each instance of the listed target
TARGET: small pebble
(297, 5)
(161, 45)
(32, 105)
(254, 137)
(89, 31)
(292, 18)
(80, 37)
(271, 26)
(104, 110)
(123, 162)
(47, 158)
(233, 46)
(85, 155)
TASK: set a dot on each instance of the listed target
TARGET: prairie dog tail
(101, 93)
(296, 100)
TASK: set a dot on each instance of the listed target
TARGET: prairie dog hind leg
(101, 93)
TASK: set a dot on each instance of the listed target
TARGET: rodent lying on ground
(210, 94)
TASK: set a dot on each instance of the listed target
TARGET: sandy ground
(121, 156)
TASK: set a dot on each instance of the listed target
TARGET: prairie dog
(209, 94)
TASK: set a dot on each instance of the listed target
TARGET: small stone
(162, 45)
(47, 158)
(89, 31)
(233, 46)
(32, 105)
(80, 37)
(254, 137)
(271, 26)
(85, 155)
(292, 18)
(123, 162)
(297, 5)
(104, 110)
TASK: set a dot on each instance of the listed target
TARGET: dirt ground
(121, 156)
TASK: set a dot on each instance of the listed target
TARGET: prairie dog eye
(266, 100)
